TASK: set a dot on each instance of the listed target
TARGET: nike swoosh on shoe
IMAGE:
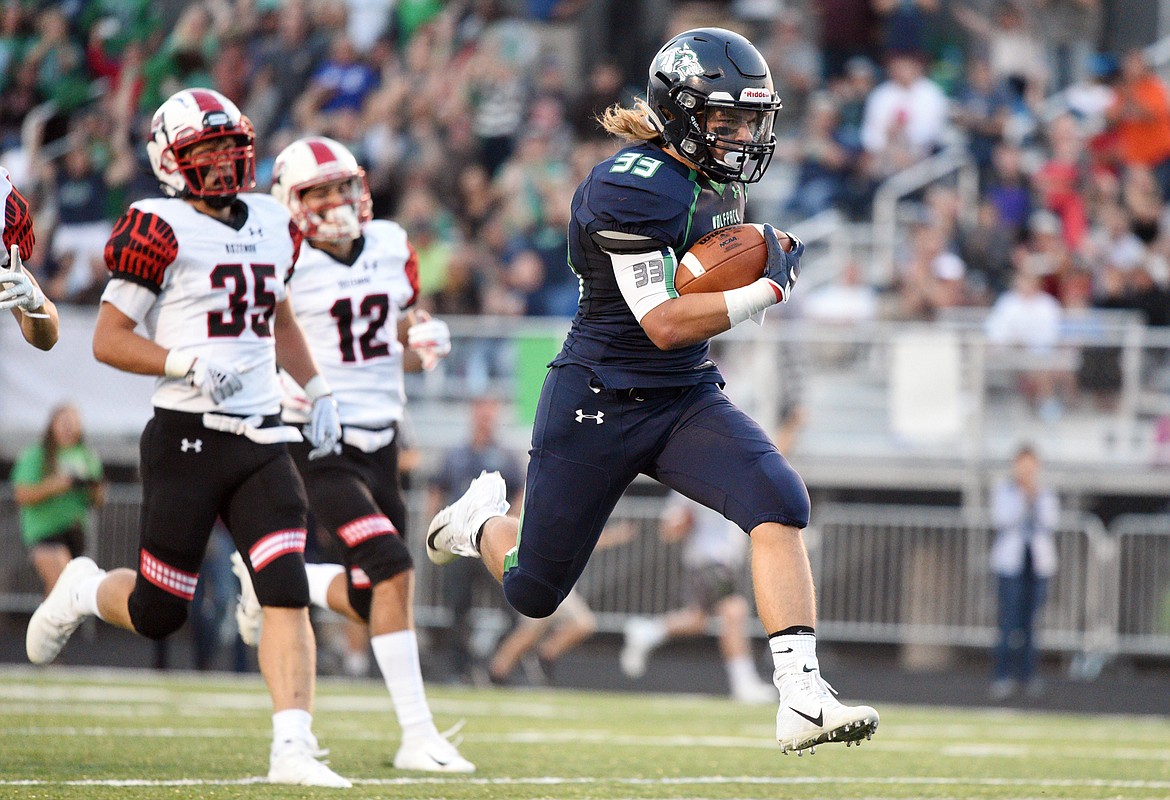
(818, 720)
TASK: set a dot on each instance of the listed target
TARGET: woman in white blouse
(1023, 557)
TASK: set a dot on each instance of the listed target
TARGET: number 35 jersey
(350, 314)
(206, 287)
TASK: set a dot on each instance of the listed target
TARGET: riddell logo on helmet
(755, 93)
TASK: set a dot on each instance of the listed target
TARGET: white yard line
(724, 780)
(961, 750)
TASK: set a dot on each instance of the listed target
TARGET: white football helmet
(314, 161)
(198, 115)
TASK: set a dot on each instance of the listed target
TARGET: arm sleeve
(141, 248)
(646, 279)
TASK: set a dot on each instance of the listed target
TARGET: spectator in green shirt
(55, 483)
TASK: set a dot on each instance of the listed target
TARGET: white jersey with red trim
(215, 287)
(350, 315)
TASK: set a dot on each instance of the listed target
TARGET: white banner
(114, 405)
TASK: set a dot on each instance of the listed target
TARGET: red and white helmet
(198, 115)
(313, 161)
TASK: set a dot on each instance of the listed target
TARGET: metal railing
(908, 575)
(954, 160)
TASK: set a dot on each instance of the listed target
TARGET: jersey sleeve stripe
(412, 274)
(298, 239)
(141, 248)
(18, 224)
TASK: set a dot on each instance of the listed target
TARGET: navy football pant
(588, 445)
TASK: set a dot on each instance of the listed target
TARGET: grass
(81, 734)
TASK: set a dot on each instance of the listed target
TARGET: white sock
(741, 672)
(397, 657)
(657, 634)
(292, 724)
(85, 595)
(792, 652)
(320, 576)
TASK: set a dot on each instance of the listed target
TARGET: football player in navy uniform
(355, 278)
(633, 390)
(204, 271)
(19, 290)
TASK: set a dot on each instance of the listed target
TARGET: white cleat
(249, 615)
(453, 531)
(57, 617)
(640, 635)
(432, 754)
(810, 714)
(296, 763)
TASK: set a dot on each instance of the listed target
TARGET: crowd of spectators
(475, 121)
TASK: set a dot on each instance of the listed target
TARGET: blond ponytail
(632, 124)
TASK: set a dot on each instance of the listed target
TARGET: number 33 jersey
(350, 314)
(206, 287)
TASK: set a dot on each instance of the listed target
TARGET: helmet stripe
(322, 152)
(206, 100)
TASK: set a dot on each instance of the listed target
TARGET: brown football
(726, 258)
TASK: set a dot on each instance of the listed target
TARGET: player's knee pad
(154, 612)
(789, 492)
(529, 595)
(381, 558)
(282, 582)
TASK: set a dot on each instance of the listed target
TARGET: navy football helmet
(711, 97)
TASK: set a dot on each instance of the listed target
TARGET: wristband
(317, 387)
(178, 364)
(751, 299)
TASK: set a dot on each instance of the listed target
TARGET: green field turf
(84, 734)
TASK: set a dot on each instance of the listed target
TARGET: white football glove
(19, 290)
(430, 338)
(214, 380)
(324, 428)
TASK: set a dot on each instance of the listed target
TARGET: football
(726, 258)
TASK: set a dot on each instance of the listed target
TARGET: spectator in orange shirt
(1140, 116)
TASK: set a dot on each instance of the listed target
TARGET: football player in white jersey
(19, 290)
(204, 273)
(355, 282)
